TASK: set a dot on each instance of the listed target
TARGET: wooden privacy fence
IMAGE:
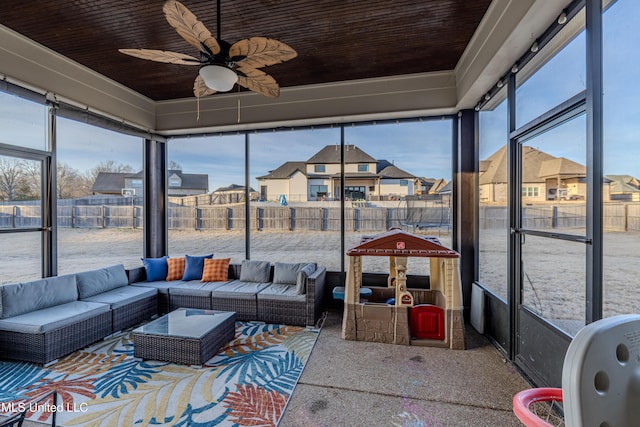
(617, 217)
(283, 218)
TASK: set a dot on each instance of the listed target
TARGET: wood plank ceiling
(336, 40)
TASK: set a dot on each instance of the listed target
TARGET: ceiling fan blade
(162, 56)
(200, 89)
(188, 26)
(258, 81)
(261, 51)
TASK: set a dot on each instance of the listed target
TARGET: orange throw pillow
(216, 270)
(175, 268)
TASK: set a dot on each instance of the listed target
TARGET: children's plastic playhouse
(430, 317)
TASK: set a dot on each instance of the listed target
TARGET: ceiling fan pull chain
(198, 108)
(238, 104)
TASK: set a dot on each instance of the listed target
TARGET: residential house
(624, 188)
(544, 177)
(318, 178)
(180, 184)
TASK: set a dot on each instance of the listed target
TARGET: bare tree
(108, 166)
(32, 177)
(11, 177)
(70, 183)
(173, 165)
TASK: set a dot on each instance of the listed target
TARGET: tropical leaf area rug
(248, 383)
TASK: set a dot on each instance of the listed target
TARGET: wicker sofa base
(245, 308)
(187, 351)
(190, 301)
(135, 313)
(282, 311)
(49, 346)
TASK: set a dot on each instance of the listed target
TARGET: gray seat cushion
(278, 291)
(95, 282)
(123, 295)
(162, 286)
(195, 288)
(20, 298)
(48, 319)
(238, 289)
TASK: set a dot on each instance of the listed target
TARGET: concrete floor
(349, 383)
(352, 383)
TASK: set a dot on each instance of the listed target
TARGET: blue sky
(422, 149)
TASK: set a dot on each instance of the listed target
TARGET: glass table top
(185, 322)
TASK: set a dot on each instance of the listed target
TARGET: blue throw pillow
(194, 266)
(156, 268)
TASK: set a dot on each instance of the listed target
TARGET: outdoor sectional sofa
(45, 319)
(285, 293)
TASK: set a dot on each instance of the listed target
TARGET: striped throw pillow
(216, 270)
(175, 268)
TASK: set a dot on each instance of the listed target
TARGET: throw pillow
(193, 267)
(216, 270)
(286, 273)
(175, 268)
(255, 271)
(156, 268)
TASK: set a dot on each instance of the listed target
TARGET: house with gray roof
(180, 184)
(318, 178)
(544, 177)
(624, 187)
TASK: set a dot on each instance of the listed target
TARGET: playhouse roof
(396, 242)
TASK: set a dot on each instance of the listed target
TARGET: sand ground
(554, 269)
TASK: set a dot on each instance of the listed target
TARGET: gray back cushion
(301, 281)
(20, 298)
(255, 271)
(95, 282)
(287, 273)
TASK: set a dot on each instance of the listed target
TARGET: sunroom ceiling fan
(221, 64)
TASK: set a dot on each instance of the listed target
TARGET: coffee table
(188, 336)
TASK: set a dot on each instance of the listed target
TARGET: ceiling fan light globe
(218, 77)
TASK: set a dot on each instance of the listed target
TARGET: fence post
(324, 223)
(356, 219)
(292, 219)
(104, 215)
(554, 217)
(259, 218)
(15, 214)
(626, 217)
(133, 216)
(389, 213)
(229, 218)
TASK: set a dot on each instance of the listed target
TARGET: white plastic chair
(600, 380)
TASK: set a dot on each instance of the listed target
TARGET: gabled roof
(192, 181)
(439, 186)
(561, 167)
(110, 181)
(496, 171)
(394, 172)
(331, 154)
(623, 184)
(285, 170)
(232, 187)
(397, 242)
(446, 189)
